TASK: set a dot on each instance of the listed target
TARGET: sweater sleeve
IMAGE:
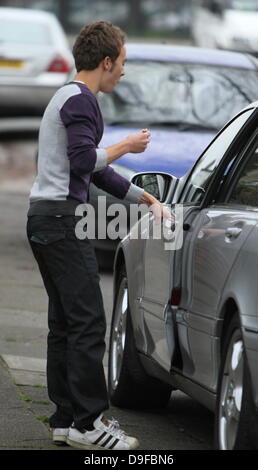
(78, 115)
(113, 183)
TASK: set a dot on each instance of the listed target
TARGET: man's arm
(79, 117)
(85, 158)
(120, 187)
(134, 143)
(110, 181)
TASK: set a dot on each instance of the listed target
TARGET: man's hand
(134, 143)
(159, 211)
(138, 142)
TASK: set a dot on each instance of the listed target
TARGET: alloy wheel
(231, 393)
(118, 334)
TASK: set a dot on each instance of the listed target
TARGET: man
(68, 160)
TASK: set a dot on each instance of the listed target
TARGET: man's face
(114, 72)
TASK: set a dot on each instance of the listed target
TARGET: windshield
(179, 94)
(246, 5)
(23, 32)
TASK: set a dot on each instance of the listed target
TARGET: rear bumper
(28, 93)
(18, 98)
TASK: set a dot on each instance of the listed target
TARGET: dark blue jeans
(76, 320)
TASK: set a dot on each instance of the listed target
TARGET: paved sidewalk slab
(25, 363)
(22, 318)
(19, 427)
(26, 370)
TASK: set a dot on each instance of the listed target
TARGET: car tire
(129, 385)
(235, 416)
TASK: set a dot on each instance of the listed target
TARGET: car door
(219, 232)
(160, 277)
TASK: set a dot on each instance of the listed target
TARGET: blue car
(184, 95)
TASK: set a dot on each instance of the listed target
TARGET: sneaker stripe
(100, 438)
(114, 444)
(105, 442)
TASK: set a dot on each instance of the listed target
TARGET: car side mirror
(159, 185)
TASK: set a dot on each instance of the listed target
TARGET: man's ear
(107, 64)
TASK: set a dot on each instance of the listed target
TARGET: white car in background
(226, 24)
(35, 59)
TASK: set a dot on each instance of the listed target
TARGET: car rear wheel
(235, 413)
(129, 385)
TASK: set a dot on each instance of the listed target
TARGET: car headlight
(123, 171)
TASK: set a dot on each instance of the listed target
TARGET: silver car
(35, 59)
(186, 318)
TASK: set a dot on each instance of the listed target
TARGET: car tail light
(176, 296)
(59, 65)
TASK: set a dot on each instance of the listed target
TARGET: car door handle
(232, 232)
(172, 226)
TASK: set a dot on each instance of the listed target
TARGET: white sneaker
(59, 435)
(107, 434)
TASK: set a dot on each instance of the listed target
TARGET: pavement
(24, 405)
(25, 408)
(22, 415)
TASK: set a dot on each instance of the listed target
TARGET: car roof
(189, 54)
(26, 14)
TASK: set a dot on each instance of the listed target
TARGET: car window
(24, 32)
(245, 190)
(198, 182)
(190, 96)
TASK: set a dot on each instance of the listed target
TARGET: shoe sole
(60, 443)
(81, 445)
(60, 440)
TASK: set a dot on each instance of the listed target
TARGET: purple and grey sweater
(69, 158)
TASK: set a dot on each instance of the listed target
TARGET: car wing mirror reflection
(160, 185)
